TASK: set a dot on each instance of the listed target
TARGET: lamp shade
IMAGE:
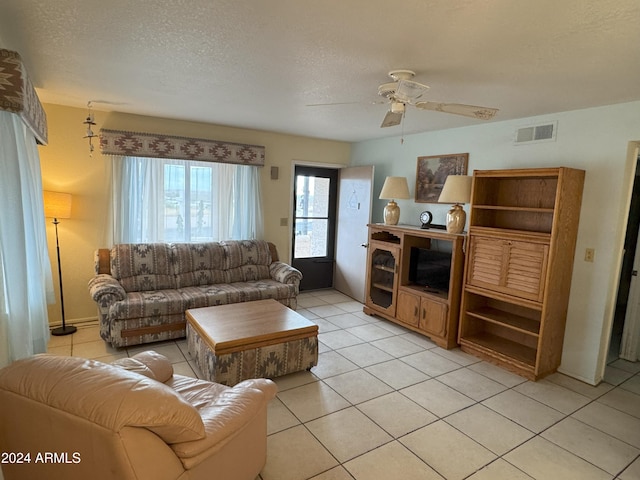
(57, 205)
(457, 189)
(395, 187)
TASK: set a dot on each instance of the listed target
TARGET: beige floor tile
(632, 385)
(430, 363)
(442, 447)
(111, 358)
(196, 370)
(324, 325)
(346, 320)
(437, 397)
(397, 346)
(332, 363)
(307, 302)
(555, 396)
(369, 332)
(523, 410)
(168, 349)
(294, 454)
(592, 445)
(472, 384)
(306, 313)
(632, 472)
(184, 348)
(358, 386)
(350, 306)
(396, 414)
(457, 355)
(618, 424)
(364, 354)
(497, 374)
(499, 470)
(615, 376)
(61, 350)
(391, 461)
(336, 473)
(279, 417)
(60, 341)
(397, 374)
(312, 401)
(95, 349)
(490, 429)
(335, 297)
(578, 386)
(348, 433)
(183, 368)
(632, 367)
(544, 460)
(623, 400)
(339, 339)
(86, 334)
(392, 327)
(420, 340)
(293, 380)
(325, 310)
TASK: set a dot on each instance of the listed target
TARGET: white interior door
(355, 195)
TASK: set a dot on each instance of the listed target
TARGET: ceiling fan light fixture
(397, 107)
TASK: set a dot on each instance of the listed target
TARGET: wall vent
(536, 133)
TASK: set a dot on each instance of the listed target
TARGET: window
(159, 200)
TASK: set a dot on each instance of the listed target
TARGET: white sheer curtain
(25, 271)
(140, 194)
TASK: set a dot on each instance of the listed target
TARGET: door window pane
(311, 238)
(312, 197)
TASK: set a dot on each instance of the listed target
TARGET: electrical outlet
(589, 254)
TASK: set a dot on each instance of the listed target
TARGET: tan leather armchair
(134, 419)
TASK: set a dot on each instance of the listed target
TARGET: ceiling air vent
(536, 133)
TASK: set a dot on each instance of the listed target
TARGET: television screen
(430, 268)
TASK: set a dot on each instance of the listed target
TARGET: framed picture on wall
(433, 171)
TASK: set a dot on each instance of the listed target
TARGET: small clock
(425, 219)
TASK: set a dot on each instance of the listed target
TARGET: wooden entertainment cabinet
(522, 236)
(390, 294)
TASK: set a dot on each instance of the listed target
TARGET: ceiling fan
(404, 91)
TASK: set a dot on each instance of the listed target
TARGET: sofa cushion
(226, 293)
(245, 252)
(106, 395)
(197, 263)
(150, 304)
(143, 266)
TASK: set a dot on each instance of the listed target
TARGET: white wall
(596, 140)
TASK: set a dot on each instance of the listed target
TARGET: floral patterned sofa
(142, 290)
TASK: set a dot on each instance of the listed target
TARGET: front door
(314, 218)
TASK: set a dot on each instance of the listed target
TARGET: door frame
(292, 176)
(633, 150)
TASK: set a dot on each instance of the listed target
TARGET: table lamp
(394, 187)
(457, 190)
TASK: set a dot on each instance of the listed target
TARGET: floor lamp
(58, 205)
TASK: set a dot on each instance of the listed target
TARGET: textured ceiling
(258, 64)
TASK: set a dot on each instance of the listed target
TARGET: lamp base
(65, 330)
(391, 213)
(456, 218)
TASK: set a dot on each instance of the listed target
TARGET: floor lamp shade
(58, 205)
(457, 190)
(394, 187)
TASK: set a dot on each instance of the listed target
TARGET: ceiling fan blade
(482, 113)
(408, 91)
(391, 119)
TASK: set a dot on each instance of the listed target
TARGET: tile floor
(385, 403)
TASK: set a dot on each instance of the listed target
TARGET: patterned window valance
(17, 95)
(133, 144)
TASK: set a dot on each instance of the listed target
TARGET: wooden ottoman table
(260, 339)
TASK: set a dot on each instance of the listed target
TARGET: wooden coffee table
(234, 342)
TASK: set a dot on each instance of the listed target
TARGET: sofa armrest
(226, 415)
(150, 364)
(104, 289)
(285, 273)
